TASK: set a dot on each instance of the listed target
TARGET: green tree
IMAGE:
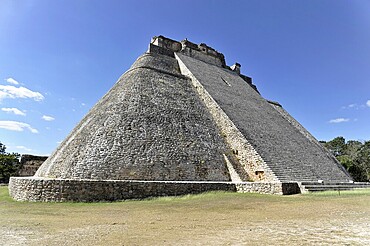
(352, 147)
(336, 146)
(2, 148)
(363, 162)
(9, 164)
(353, 155)
(349, 154)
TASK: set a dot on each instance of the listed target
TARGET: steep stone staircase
(285, 148)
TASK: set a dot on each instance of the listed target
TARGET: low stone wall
(60, 190)
(276, 188)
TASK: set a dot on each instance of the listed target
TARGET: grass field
(215, 218)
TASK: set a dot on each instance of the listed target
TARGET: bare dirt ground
(207, 219)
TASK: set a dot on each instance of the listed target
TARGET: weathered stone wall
(276, 188)
(201, 52)
(203, 56)
(167, 43)
(30, 164)
(59, 190)
(150, 126)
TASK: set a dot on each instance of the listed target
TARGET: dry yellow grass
(215, 218)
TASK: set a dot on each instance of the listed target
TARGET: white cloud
(339, 120)
(14, 111)
(16, 126)
(357, 106)
(12, 81)
(23, 148)
(352, 106)
(3, 94)
(9, 91)
(47, 118)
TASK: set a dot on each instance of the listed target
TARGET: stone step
(287, 174)
(316, 186)
(326, 189)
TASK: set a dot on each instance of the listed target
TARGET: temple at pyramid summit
(181, 121)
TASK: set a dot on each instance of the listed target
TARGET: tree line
(353, 155)
(9, 164)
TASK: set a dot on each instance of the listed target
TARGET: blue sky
(58, 58)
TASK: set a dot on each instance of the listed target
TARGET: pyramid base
(60, 190)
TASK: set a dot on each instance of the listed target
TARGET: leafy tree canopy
(9, 164)
(353, 155)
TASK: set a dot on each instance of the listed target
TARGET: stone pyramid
(180, 121)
